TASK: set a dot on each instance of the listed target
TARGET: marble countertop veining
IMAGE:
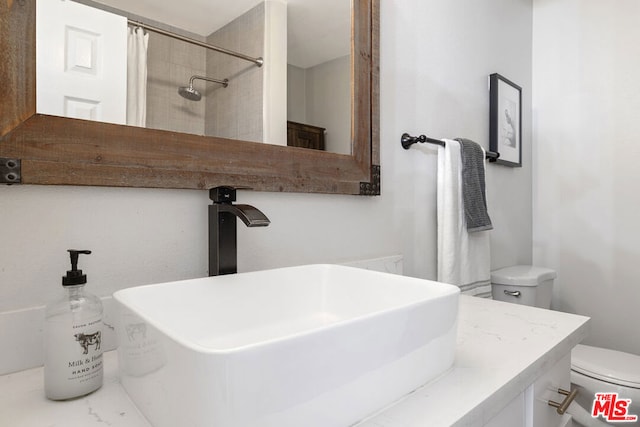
(501, 349)
(23, 404)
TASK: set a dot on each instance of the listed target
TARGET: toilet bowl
(600, 370)
(593, 369)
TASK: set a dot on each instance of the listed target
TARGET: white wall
(321, 96)
(329, 102)
(274, 96)
(296, 103)
(435, 59)
(586, 109)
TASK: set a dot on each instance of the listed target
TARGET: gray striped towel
(473, 186)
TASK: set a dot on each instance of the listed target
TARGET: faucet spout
(252, 217)
(223, 247)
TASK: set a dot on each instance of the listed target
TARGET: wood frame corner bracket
(10, 171)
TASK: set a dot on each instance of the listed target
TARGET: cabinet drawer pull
(561, 408)
(512, 293)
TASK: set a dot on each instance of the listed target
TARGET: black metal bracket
(407, 140)
(371, 188)
(10, 171)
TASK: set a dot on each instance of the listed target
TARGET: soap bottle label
(73, 365)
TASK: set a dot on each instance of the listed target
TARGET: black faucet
(223, 247)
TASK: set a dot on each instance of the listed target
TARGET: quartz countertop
(501, 349)
(22, 402)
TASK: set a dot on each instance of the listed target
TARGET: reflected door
(82, 62)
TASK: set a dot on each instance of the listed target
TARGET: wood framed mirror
(53, 150)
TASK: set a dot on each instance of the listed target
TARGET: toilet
(593, 369)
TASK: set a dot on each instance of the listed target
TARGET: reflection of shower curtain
(137, 77)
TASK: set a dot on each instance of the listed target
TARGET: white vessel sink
(312, 346)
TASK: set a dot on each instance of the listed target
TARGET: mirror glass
(92, 61)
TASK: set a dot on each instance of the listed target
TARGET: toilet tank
(523, 284)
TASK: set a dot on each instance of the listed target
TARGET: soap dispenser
(73, 334)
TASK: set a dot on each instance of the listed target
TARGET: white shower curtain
(137, 77)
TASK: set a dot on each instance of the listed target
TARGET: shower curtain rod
(257, 61)
(407, 141)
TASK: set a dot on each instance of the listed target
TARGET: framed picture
(505, 115)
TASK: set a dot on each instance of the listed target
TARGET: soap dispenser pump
(73, 334)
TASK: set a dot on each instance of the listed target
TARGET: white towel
(463, 258)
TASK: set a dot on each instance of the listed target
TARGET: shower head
(188, 92)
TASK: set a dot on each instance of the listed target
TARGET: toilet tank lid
(524, 275)
(607, 365)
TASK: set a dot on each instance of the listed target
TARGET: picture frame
(505, 120)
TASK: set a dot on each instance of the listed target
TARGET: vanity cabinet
(305, 136)
(531, 408)
(513, 415)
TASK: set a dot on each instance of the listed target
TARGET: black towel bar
(408, 140)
